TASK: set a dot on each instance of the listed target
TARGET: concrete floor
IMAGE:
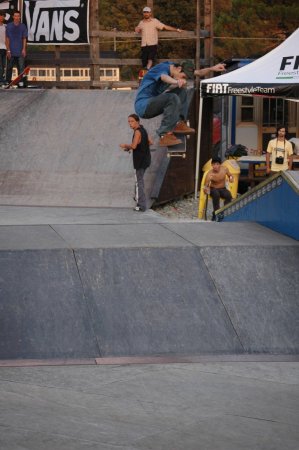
(206, 406)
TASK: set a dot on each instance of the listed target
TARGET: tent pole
(198, 147)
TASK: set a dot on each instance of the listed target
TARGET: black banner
(9, 6)
(57, 22)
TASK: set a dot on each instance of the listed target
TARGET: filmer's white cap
(147, 9)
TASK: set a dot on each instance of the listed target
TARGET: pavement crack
(262, 419)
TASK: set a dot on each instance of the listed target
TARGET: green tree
(124, 15)
(184, 17)
(245, 26)
(242, 28)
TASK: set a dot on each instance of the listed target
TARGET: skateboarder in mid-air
(155, 97)
(163, 91)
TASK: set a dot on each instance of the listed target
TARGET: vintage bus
(71, 74)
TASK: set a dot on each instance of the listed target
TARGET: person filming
(281, 152)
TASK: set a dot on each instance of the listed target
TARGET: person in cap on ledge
(148, 27)
(162, 91)
(215, 184)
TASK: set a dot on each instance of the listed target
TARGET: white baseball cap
(147, 9)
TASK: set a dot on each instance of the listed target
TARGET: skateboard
(178, 150)
(18, 78)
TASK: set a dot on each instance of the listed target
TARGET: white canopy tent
(275, 74)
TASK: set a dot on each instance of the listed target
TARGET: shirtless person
(215, 184)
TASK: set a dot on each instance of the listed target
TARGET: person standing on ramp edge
(141, 158)
(16, 43)
(148, 27)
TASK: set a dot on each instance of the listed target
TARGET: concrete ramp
(153, 302)
(273, 203)
(43, 310)
(61, 148)
(260, 295)
(117, 287)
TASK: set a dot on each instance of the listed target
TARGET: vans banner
(56, 22)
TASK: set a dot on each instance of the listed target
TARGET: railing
(59, 59)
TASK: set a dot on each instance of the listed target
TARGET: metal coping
(148, 360)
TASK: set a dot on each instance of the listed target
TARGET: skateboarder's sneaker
(168, 140)
(182, 127)
(139, 208)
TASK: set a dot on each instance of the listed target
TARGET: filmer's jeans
(19, 62)
(2, 63)
(173, 105)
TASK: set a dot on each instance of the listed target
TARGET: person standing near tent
(141, 158)
(281, 151)
(215, 184)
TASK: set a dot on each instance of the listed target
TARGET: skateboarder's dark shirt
(142, 155)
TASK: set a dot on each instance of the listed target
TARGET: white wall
(247, 134)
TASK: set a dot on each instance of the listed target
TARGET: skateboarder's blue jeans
(2, 63)
(18, 62)
(139, 188)
(173, 105)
